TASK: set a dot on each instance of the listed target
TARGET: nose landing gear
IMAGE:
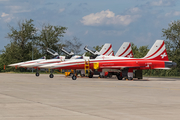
(37, 73)
(51, 75)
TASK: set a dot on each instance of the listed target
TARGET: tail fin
(157, 51)
(125, 50)
(107, 50)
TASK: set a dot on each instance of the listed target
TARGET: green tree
(172, 35)
(21, 38)
(139, 52)
(25, 39)
(20, 47)
(1, 64)
(74, 45)
(50, 37)
(98, 48)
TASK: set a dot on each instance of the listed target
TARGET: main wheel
(130, 78)
(91, 75)
(74, 77)
(51, 75)
(37, 74)
(119, 77)
(110, 75)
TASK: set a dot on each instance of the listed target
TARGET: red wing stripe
(157, 50)
(125, 50)
(107, 49)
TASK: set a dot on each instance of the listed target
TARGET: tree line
(26, 38)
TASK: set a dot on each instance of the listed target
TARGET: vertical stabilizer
(107, 50)
(125, 50)
(157, 51)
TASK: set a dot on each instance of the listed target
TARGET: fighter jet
(106, 52)
(69, 56)
(156, 58)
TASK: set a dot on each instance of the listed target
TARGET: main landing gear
(119, 76)
(74, 77)
(123, 74)
(90, 74)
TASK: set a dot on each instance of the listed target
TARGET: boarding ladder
(86, 67)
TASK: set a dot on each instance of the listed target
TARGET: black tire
(91, 76)
(51, 75)
(130, 78)
(74, 77)
(119, 77)
(110, 75)
(37, 74)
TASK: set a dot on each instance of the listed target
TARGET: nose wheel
(37, 74)
(51, 75)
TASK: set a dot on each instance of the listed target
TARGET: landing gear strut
(37, 73)
(74, 76)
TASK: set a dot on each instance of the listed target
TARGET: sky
(94, 22)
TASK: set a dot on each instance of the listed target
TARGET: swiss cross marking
(163, 55)
(129, 56)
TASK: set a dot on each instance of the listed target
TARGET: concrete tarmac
(26, 97)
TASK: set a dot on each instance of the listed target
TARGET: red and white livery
(156, 58)
(125, 50)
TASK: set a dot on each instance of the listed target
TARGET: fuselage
(27, 62)
(50, 61)
(111, 63)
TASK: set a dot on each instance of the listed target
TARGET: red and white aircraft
(156, 58)
(28, 62)
(107, 49)
(20, 64)
(124, 51)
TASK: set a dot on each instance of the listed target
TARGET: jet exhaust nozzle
(170, 64)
